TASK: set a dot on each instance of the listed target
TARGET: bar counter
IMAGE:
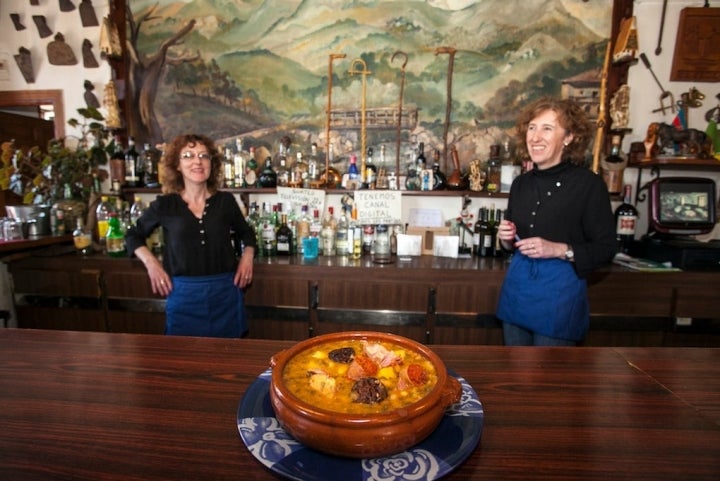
(104, 406)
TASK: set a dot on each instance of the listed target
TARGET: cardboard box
(428, 236)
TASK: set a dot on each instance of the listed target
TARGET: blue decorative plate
(447, 447)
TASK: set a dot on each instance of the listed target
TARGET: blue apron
(207, 306)
(545, 296)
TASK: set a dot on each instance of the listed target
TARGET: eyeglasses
(189, 155)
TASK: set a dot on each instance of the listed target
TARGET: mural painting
(457, 70)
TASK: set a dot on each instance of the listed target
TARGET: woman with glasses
(208, 246)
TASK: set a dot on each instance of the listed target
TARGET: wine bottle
(132, 165)
(284, 237)
(626, 217)
(613, 166)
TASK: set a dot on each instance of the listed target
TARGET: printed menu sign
(378, 206)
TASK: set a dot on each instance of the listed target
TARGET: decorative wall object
(66, 5)
(87, 14)
(15, 17)
(42, 26)
(697, 57)
(88, 56)
(59, 52)
(23, 59)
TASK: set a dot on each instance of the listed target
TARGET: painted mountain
(265, 63)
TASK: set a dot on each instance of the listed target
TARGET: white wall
(68, 78)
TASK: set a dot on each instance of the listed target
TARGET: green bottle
(115, 237)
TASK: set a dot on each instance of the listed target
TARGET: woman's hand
(159, 279)
(244, 274)
(539, 248)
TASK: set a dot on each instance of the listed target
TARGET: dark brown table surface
(97, 406)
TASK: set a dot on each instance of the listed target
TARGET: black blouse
(570, 204)
(195, 246)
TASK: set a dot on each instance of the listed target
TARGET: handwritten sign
(378, 206)
(313, 198)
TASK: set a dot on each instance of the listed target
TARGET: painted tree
(144, 74)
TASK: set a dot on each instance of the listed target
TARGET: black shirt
(195, 246)
(570, 204)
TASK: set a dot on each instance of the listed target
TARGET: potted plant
(68, 167)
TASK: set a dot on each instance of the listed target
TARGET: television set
(682, 206)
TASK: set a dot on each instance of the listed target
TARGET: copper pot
(356, 435)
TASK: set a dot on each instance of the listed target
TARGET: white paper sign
(313, 198)
(378, 206)
(426, 217)
(446, 246)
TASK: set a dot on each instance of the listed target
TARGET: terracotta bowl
(361, 435)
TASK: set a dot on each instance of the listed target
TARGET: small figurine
(110, 101)
(650, 141)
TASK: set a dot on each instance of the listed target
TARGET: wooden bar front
(429, 299)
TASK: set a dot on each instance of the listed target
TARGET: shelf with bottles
(129, 192)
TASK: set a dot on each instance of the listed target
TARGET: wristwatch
(569, 253)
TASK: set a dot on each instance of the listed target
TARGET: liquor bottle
(477, 234)
(497, 247)
(299, 174)
(136, 210)
(412, 180)
(313, 166)
(115, 238)
(341, 233)
(509, 169)
(117, 166)
(421, 160)
(493, 170)
(613, 166)
(368, 238)
(82, 239)
(228, 168)
(316, 228)
(381, 250)
(327, 233)
(284, 237)
(268, 232)
(493, 221)
(439, 179)
(382, 177)
(370, 177)
(251, 170)
(268, 177)
(626, 217)
(239, 160)
(283, 173)
(302, 228)
(132, 165)
(150, 159)
(353, 172)
(486, 241)
(102, 215)
(355, 240)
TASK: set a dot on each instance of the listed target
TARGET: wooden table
(97, 406)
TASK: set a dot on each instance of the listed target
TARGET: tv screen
(682, 205)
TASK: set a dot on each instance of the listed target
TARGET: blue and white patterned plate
(447, 447)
